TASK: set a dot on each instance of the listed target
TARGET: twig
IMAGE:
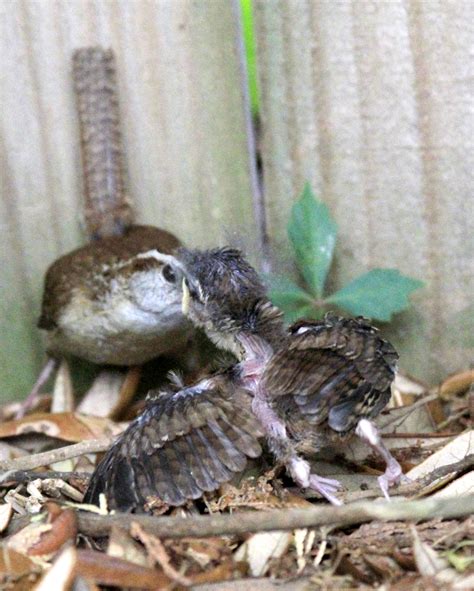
(56, 455)
(420, 435)
(280, 519)
(23, 476)
(417, 486)
(157, 551)
(399, 420)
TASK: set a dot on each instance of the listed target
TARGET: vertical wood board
(372, 103)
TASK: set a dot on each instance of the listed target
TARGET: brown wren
(116, 300)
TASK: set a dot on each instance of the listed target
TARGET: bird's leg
(301, 473)
(32, 397)
(368, 432)
(282, 448)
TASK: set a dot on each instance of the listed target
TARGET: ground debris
(43, 480)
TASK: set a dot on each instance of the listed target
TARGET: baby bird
(314, 385)
(304, 388)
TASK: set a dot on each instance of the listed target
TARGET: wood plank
(370, 101)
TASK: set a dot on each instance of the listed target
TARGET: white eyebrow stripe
(158, 256)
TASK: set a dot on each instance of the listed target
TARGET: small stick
(280, 519)
(107, 210)
(55, 455)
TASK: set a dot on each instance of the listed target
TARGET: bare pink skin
(257, 354)
(368, 432)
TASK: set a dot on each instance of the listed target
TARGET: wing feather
(183, 444)
(337, 370)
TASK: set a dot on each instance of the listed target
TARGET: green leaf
(290, 298)
(312, 232)
(378, 294)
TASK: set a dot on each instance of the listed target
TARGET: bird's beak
(186, 300)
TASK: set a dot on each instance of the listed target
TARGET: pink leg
(43, 377)
(368, 432)
(301, 474)
(281, 446)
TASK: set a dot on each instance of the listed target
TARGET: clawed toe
(393, 475)
(326, 487)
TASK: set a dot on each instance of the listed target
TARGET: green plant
(377, 294)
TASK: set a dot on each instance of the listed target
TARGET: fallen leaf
(454, 451)
(44, 538)
(428, 562)
(60, 576)
(72, 427)
(456, 384)
(107, 570)
(459, 487)
(15, 564)
(63, 528)
(6, 511)
(122, 545)
(261, 548)
(63, 393)
(103, 395)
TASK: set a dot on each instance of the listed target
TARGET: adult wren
(116, 300)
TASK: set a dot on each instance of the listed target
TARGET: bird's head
(223, 294)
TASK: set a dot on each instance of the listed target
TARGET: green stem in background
(246, 7)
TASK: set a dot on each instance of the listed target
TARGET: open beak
(186, 300)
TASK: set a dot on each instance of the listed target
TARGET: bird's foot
(392, 476)
(301, 473)
(326, 487)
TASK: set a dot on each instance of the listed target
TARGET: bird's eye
(169, 274)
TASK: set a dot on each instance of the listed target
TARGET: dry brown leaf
(261, 548)
(15, 564)
(68, 426)
(6, 512)
(452, 452)
(61, 575)
(461, 486)
(28, 537)
(225, 571)
(63, 393)
(456, 384)
(63, 529)
(103, 395)
(122, 545)
(44, 539)
(428, 562)
(107, 570)
(158, 554)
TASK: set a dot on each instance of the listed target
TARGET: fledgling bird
(318, 383)
(307, 387)
(183, 444)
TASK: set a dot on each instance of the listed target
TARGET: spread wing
(338, 370)
(183, 444)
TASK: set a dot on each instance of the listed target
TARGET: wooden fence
(369, 100)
